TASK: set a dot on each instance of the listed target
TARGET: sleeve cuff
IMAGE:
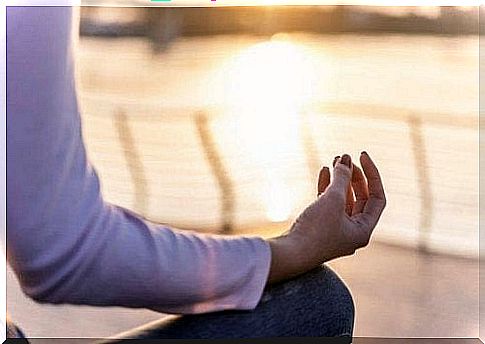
(254, 289)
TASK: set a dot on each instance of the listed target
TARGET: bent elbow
(39, 291)
(54, 272)
(36, 296)
(45, 278)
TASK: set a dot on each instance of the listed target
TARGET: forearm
(123, 260)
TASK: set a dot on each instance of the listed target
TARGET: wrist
(291, 256)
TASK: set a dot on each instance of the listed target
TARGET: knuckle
(380, 201)
(347, 172)
(343, 171)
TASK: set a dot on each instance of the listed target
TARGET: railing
(133, 160)
(424, 182)
(221, 175)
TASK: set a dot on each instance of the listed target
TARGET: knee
(333, 296)
(315, 304)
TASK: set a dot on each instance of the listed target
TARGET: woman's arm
(64, 242)
(69, 246)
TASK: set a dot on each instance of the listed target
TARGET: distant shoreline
(162, 25)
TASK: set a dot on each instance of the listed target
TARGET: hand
(336, 224)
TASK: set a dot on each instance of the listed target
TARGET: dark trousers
(316, 304)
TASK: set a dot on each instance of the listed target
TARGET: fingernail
(346, 160)
(364, 152)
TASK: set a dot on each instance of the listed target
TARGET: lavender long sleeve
(64, 242)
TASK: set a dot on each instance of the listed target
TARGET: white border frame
(141, 3)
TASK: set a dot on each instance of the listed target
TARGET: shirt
(64, 242)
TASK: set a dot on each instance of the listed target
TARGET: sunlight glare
(277, 197)
(269, 84)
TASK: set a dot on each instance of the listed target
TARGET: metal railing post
(133, 161)
(226, 189)
(418, 147)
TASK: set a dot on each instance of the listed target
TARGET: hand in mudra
(337, 223)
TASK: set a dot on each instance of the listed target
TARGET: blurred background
(219, 119)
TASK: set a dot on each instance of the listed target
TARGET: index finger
(377, 198)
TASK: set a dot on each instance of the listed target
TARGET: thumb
(342, 173)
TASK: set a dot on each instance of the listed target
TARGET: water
(277, 109)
